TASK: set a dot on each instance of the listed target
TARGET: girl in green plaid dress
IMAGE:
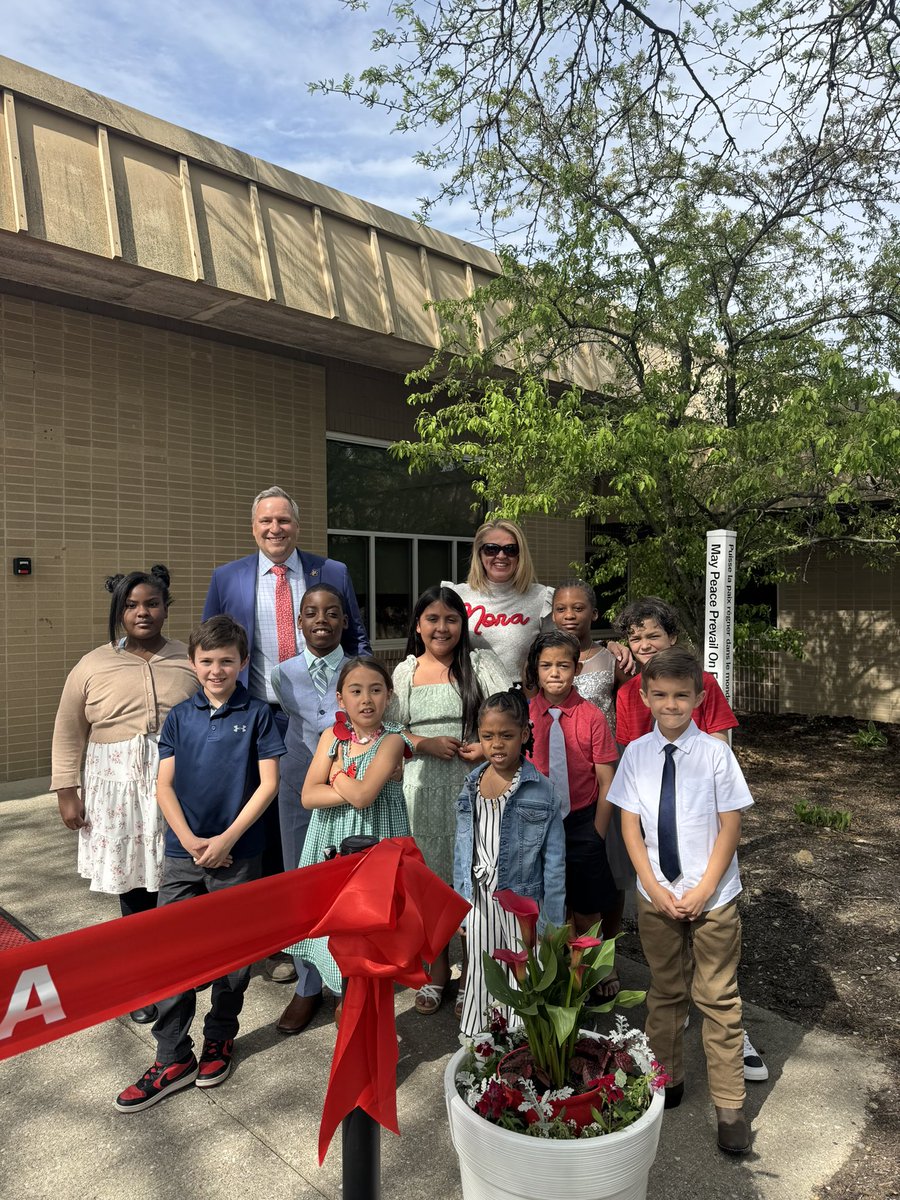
(352, 785)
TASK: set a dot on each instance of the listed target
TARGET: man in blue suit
(246, 589)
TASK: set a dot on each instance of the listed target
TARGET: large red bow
(383, 910)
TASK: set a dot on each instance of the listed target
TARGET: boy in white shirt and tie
(681, 793)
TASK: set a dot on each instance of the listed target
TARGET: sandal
(429, 998)
(607, 989)
(458, 1006)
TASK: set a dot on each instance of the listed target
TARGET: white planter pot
(497, 1164)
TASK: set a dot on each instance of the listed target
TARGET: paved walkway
(255, 1136)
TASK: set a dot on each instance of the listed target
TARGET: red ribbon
(384, 912)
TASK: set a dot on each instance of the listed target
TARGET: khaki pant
(709, 978)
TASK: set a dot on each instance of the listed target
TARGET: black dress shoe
(674, 1094)
(144, 1016)
(733, 1130)
(299, 1013)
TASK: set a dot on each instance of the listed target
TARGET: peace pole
(718, 631)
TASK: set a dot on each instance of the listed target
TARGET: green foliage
(823, 818)
(786, 480)
(869, 738)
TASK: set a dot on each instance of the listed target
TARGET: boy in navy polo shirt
(218, 773)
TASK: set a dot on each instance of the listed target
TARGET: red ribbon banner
(384, 912)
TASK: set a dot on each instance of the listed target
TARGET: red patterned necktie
(284, 615)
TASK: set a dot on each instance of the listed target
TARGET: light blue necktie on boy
(559, 763)
(318, 671)
(666, 828)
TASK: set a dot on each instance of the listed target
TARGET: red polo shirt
(588, 742)
(633, 717)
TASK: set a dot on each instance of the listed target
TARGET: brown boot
(299, 1013)
(734, 1130)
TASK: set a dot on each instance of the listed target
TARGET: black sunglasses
(492, 550)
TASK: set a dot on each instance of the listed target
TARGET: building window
(398, 533)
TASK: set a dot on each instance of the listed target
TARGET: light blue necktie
(666, 828)
(559, 763)
(318, 671)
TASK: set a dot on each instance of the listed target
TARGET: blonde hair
(523, 577)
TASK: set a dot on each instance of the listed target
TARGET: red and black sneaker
(215, 1062)
(159, 1081)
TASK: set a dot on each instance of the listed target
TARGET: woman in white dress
(112, 709)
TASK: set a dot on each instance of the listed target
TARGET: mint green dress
(386, 817)
(432, 785)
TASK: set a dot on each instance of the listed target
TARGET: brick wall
(850, 616)
(555, 544)
(122, 446)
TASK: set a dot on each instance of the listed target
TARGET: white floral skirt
(122, 845)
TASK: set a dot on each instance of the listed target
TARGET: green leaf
(563, 1020)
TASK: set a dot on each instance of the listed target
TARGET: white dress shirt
(708, 781)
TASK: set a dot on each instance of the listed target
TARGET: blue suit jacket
(232, 590)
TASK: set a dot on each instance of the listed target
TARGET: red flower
(609, 1089)
(341, 729)
(497, 1098)
(524, 910)
(498, 1024)
(515, 959)
(579, 945)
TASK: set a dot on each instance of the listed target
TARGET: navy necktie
(667, 829)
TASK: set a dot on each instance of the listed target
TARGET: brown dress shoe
(299, 1013)
(734, 1131)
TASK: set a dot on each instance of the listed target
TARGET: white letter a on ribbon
(36, 979)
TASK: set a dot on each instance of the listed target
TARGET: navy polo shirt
(217, 753)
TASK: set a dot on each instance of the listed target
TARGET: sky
(238, 73)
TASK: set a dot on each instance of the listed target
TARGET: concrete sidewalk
(256, 1135)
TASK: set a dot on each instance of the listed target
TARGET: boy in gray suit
(305, 687)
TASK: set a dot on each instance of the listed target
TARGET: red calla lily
(516, 959)
(524, 910)
(579, 945)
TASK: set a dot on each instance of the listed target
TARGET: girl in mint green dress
(350, 785)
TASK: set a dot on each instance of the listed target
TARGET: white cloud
(239, 74)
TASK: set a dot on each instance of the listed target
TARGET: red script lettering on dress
(489, 620)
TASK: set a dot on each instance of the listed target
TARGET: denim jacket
(532, 857)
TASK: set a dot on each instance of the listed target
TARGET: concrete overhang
(105, 204)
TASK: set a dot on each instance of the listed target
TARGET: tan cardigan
(111, 696)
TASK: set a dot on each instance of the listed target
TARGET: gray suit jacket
(310, 715)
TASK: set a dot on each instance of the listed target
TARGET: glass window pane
(368, 488)
(435, 563)
(354, 551)
(393, 587)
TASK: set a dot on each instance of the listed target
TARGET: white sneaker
(755, 1069)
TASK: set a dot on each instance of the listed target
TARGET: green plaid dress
(385, 817)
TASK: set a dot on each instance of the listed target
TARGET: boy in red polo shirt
(580, 763)
(648, 626)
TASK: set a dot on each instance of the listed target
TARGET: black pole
(360, 1135)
